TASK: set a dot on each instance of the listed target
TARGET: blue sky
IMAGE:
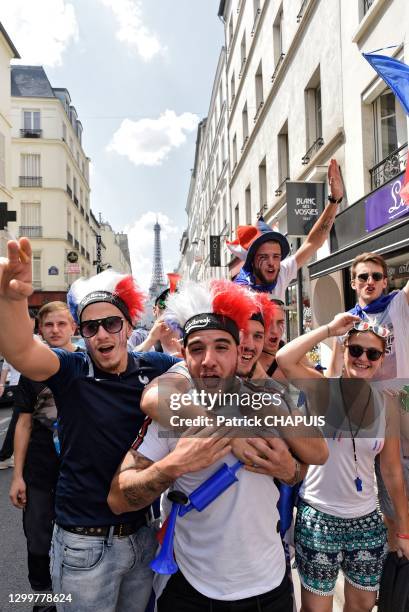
(140, 74)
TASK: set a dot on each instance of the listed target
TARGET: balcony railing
(70, 237)
(245, 141)
(389, 167)
(281, 186)
(30, 133)
(312, 150)
(256, 18)
(77, 245)
(69, 191)
(76, 201)
(243, 65)
(30, 181)
(301, 11)
(260, 106)
(232, 100)
(262, 210)
(278, 65)
(367, 5)
(31, 231)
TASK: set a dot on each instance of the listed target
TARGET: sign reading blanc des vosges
(305, 203)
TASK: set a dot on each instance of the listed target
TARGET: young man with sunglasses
(98, 560)
(369, 278)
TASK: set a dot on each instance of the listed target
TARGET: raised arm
(27, 355)
(322, 227)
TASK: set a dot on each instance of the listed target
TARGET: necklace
(358, 480)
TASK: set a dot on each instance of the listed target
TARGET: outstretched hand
(336, 186)
(342, 323)
(16, 271)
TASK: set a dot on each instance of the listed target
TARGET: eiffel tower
(158, 283)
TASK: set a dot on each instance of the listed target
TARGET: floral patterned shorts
(324, 544)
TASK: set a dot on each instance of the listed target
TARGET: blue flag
(394, 73)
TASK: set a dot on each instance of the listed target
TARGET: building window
(243, 56)
(64, 132)
(313, 116)
(386, 135)
(2, 159)
(262, 185)
(31, 220)
(247, 199)
(234, 156)
(259, 90)
(31, 123)
(236, 216)
(36, 269)
(231, 32)
(245, 123)
(278, 37)
(30, 170)
(232, 89)
(283, 155)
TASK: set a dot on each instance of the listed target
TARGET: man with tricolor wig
(268, 266)
(99, 561)
(230, 553)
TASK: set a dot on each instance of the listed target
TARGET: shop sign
(53, 271)
(305, 202)
(215, 260)
(385, 205)
(72, 256)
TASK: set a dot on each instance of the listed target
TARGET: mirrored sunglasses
(112, 325)
(379, 330)
(356, 350)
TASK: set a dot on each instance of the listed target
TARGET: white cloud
(148, 142)
(140, 240)
(132, 31)
(42, 30)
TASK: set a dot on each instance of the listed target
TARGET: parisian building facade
(299, 93)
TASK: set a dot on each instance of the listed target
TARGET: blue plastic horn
(200, 498)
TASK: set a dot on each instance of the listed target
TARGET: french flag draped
(396, 75)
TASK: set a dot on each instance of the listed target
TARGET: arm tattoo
(147, 483)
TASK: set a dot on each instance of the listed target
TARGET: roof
(221, 8)
(9, 42)
(30, 82)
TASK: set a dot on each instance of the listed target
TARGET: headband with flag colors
(396, 76)
(109, 286)
(216, 304)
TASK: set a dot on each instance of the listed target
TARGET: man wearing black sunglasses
(98, 560)
(369, 279)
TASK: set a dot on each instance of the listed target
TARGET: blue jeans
(109, 574)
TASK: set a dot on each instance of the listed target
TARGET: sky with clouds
(140, 74)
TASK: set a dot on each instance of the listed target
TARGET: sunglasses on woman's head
(376, 276)
(356, 350)
(112, 325)
(379, 330)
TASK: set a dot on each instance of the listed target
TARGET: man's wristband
(333, 200)
(297, 475)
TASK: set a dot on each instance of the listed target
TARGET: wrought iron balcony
(70, 237)
(30, 133)
(281, 187)
(69, 191)
(367, 5)
(30, 181)
(31, 231)
(260, 106)
(243, 65)
(256, 18)
(278, 65)
(262, 210)
(312, 150)
(301, 11)
(77, 245)
(389, 167)
(75, 201)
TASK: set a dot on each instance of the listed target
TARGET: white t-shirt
(231, 550)
(331, 487)
(288, 272)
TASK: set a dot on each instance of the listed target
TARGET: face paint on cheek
(123, 339)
